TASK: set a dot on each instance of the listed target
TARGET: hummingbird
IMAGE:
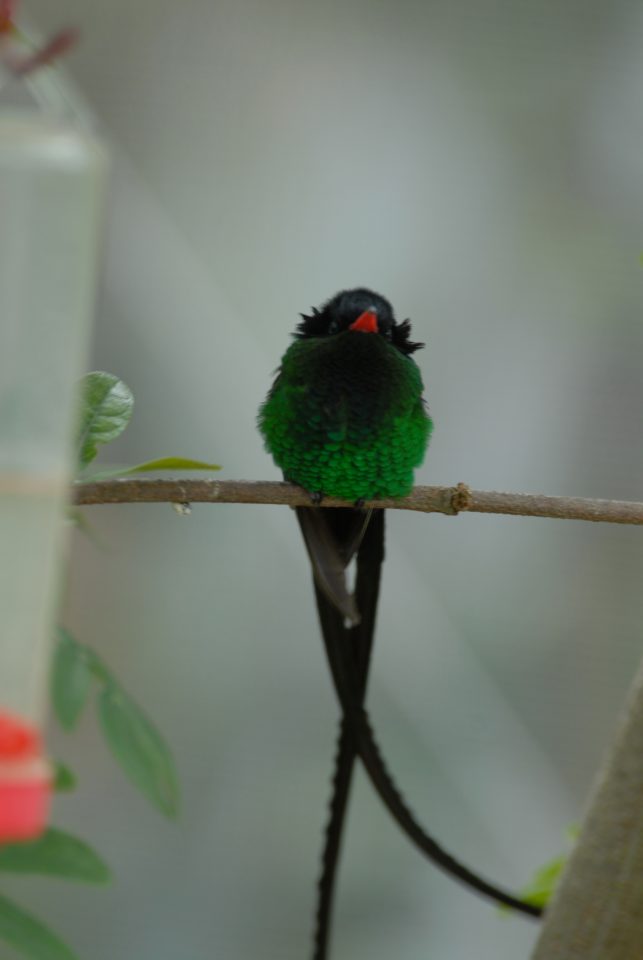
(346, 418)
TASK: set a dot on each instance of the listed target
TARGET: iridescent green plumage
(345, 416)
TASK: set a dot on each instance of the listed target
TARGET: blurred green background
(478, 162)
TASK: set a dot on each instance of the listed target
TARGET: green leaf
(139, 748)
(70, 679)
(164, 463)
(30, 936)
(172, 463)
(64, 778)
(541, 888)
(134, 740)
(106, 409)
(55, 854)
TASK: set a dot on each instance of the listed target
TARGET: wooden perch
(445, 500)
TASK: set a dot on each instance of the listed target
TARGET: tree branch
(597, 912)
(445, 500)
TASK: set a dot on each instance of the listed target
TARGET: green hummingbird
(346, 418)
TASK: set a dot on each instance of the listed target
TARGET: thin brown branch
(446, 500)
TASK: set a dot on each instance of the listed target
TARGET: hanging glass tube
(51, 178)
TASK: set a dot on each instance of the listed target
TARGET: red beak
(366, 323)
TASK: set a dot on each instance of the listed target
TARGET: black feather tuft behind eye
(315, 325)
(400, 334)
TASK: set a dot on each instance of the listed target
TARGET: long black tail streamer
(357, 643)
(346, 683)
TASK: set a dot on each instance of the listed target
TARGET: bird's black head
(361, 310)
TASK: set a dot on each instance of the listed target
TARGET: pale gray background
(479, 163)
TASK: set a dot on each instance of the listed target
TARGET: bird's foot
(316, 497)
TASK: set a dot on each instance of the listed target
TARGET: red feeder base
(25, 781)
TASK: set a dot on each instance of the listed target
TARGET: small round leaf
(106, 409)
